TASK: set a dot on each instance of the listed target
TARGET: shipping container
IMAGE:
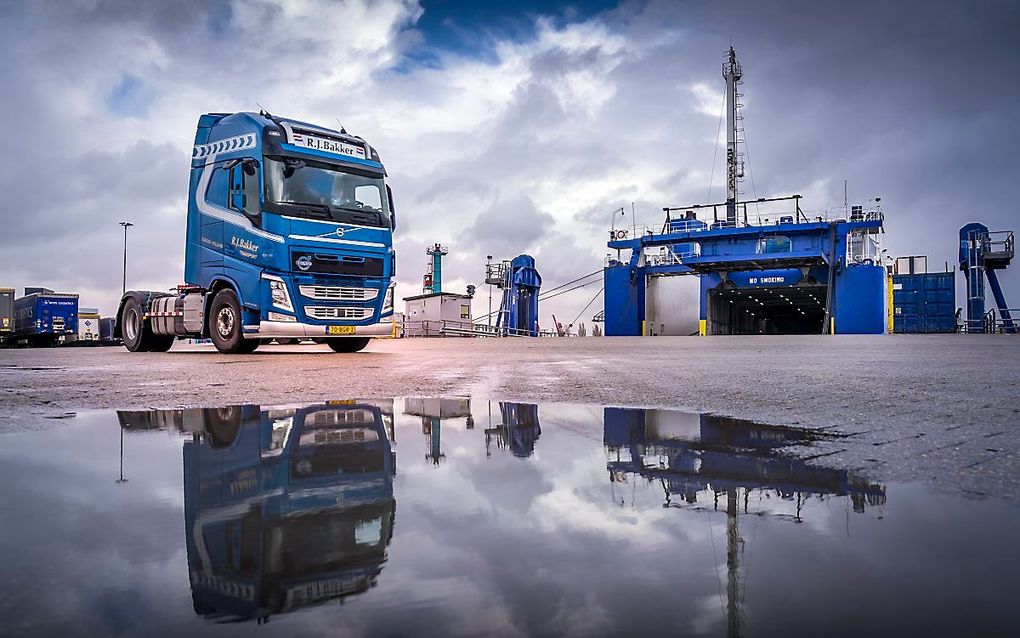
(6, 312)
(924, 302)
(45, 319)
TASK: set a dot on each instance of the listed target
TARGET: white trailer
(88, 326)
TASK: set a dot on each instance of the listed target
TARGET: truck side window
(244, 188)
(216, 192)
(251, 188)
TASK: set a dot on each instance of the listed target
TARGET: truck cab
(289, 235)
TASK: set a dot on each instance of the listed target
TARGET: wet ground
(464, 516)
(938, 409)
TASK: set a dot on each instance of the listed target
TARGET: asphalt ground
(942, 409)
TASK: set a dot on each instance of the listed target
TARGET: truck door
(212, 228)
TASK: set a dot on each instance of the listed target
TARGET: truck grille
(339, 293)
(332, 312)
(308, 262)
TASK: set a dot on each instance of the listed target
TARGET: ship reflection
(284, 507)
(694, 456)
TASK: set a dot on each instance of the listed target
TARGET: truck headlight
(387, 304)
(278, 293)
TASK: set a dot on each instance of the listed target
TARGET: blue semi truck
(44, 318)
(289, 236)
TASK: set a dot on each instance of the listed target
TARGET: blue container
(924, 303)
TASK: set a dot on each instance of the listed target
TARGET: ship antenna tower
(733, 75)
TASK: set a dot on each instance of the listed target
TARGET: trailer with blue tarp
(45, 318)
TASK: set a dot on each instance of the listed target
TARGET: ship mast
(732, 73)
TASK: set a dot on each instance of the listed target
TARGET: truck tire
(225, 325)
(161, 343)
(137, 333)
(222, 425)
(249, 346)
(348, 344)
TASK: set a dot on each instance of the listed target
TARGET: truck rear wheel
(136, 333)
(225, 325)
(348, 344)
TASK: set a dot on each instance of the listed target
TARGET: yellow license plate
(340, 330)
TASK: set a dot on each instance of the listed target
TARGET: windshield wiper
(322, 209)
(363, 211)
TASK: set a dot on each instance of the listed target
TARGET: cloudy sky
(506, 127)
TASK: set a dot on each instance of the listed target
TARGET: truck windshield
(324, 191)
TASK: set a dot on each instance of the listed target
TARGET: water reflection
(699, 455)
(284, 507)
(690, 454)
(515, 519)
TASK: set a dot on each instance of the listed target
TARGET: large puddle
(466, 517)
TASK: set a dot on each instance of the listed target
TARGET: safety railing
(451, 328)
(997, 322)
(998, 244)
(763, 211)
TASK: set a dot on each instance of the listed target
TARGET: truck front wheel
(348, 344)
(225, 326)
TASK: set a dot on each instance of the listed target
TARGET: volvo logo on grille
(339, 232)
(304, 262)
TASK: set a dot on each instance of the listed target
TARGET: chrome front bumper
(295, 329)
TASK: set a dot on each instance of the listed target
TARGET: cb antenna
(342, 129)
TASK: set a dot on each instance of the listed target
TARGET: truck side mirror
(393, 211)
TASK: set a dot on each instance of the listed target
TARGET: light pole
(126, 225)
(121, 479)
(488, 269)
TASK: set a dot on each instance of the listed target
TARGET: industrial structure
(520, 283)
(432, 281)
(982, 253)
(435, 312)
(755, 266)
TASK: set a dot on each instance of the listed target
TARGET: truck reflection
(284, 507)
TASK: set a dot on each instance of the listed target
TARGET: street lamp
(124, 281)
